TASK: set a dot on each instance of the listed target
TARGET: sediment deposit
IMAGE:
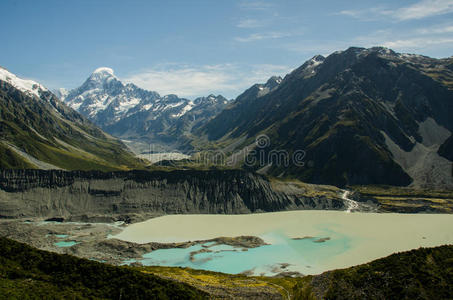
(137, 195)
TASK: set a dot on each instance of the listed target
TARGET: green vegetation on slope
(405, 199)
(51, 132)
(10, 159)
(425, 273)
(26, 272)
(221, 285)
(342, 113)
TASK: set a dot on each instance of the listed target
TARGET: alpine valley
(360, 116)
(333, 182)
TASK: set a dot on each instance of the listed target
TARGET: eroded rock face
(78, 194)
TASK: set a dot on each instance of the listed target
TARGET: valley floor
(425, 273)
(273, 255)
(283, 243)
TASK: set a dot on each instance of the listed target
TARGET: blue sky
(194, 48)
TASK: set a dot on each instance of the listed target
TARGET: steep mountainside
(425, 273)
(29, 273)
(129, 112)
(39, 131)
(361, 116)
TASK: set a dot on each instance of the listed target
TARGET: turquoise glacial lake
(308, 242)
(63, 244)
(284, 254)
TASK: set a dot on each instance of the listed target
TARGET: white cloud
(368, 14)
(262, 36)
(416, 43)
(350, 13)
(423, 9)
(250, 23)
(255, 5)
(262, 72)
(436, 30)
(421, 40)
(433, 41)
(193, 81)
(419, 10)
(183, 81)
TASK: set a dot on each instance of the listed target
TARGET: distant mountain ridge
(129, 112)
(361, 116)
(37, 130)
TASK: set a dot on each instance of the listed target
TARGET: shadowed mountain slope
(361, 116)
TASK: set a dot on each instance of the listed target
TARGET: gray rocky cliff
(74, 194)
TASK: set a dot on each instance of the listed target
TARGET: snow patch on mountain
(61, 93)
(147, 106)
(272, 83)
(312, 64)
(185, 109)
(28, 86)
(127, 104)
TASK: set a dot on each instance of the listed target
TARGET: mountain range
(134, 114)
(361, 116)
(37, 130)
(358, 116)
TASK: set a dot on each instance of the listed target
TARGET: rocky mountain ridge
(129, 112)
(361, 116)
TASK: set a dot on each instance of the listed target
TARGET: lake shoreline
(367, 236)
(358, 237)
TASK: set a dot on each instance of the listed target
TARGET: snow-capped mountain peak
(211, 99)
(105, 100)
(132, 113)
(104, 70)
(28, 86)
(103, 73)
(102, 76)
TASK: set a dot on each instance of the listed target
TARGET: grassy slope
(308, 189)
(26, 272)
(425, 273)
(53, 133)
(221, 284)
(402, 199)
(10, 159)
